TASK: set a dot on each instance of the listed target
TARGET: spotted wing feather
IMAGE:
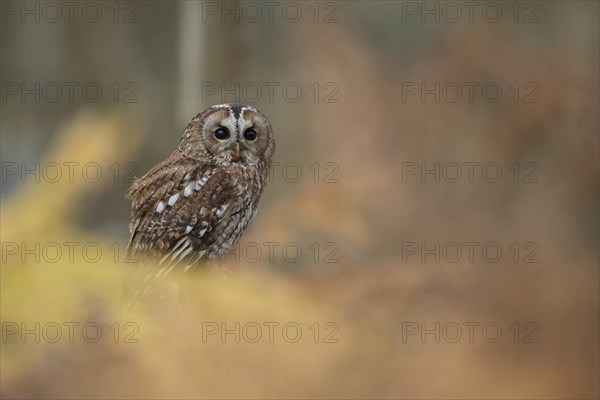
(185, 212)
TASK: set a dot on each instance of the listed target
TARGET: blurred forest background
(356, 133)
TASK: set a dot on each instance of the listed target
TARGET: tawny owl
(194, 206)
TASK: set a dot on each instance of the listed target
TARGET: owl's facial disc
(227, 131)
(235, 133)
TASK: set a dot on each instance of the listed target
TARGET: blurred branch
(190, 43)
(44, 207)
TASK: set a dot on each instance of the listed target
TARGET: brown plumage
(194, 206)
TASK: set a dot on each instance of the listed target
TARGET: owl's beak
(237, 152)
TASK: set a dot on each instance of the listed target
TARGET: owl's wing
(183, 212)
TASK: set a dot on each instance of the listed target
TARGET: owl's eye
(250, 134)
(222, 133)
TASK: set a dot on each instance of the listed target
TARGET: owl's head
(229, 134)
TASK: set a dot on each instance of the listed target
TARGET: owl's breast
(234, 209)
